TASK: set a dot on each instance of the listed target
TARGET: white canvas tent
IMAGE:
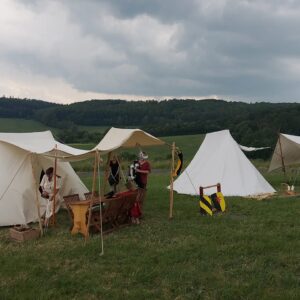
(22, 158)
(287, 152)
(220, 160)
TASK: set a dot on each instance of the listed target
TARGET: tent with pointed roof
(22, 158)
(286, 152)
(221, 160)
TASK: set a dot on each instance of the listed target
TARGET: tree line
(251, 124)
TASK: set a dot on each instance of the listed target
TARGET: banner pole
(172, 182)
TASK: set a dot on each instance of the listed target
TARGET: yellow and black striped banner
(205, 205)
(218, 201)
(178, 168)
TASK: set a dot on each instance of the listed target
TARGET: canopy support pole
(37, 197)
(121, 170)
(106, 172)
(281, 155)
(55, 184)
(93, 195)
(171, 182)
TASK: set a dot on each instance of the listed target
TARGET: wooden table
(80, 209)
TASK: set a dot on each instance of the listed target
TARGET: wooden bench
(116, 211)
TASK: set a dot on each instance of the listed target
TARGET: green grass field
(250, 252)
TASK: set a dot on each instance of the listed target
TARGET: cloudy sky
(72, 50)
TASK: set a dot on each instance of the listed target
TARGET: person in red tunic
(142, 171)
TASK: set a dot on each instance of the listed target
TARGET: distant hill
(255, 124)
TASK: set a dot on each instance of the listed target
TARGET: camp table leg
(80, 210)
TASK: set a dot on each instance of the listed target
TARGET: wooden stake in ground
(37, 197)
(171, 182)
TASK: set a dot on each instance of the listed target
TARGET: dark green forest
(255, 124)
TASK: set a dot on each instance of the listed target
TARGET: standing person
(142, 171)
(47, 192)
(114, 175)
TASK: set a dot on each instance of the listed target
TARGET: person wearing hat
(142, 171)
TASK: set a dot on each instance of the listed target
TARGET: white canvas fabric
(22, 158)
(117, 138)
(40, 143)
(290, 147)
(220, 160)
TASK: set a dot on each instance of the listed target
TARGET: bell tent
(221, 160)
(23, 156)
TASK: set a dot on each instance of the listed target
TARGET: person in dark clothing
(143, 170)
(114, 174)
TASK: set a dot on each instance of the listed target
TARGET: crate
(24, 235)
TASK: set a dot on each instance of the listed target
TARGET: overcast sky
(72, 50)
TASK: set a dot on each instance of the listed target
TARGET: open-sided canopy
(287, 150)
(117, 138)
(220, 160)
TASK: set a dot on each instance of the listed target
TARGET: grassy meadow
(22, 125)
(249, 252)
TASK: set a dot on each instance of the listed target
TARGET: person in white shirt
(47, 192)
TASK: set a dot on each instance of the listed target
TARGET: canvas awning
(287, 151)
(40, 143)
(117, 138)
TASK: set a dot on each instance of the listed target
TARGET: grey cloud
(235, 49)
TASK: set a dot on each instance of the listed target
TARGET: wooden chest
(24, 235)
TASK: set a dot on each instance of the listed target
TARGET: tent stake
(171, 182)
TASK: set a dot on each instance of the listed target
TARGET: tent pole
(100, 210)
(93, 194)
(55, 183)
(171, 182)
(37, 197)
(106, 171)
(121, 170)
(281, 155)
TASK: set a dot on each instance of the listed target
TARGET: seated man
(47, 192)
